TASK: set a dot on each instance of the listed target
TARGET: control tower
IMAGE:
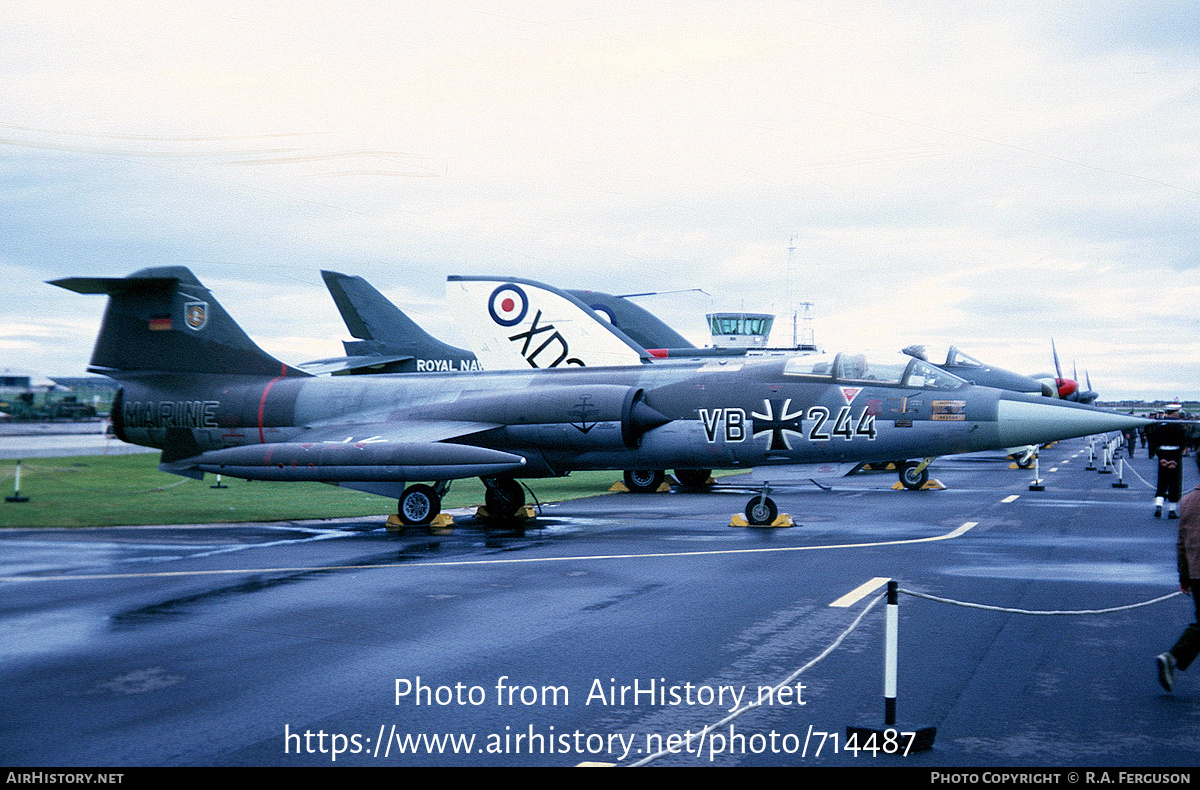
(740, 330)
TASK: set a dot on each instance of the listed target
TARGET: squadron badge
(195, 315)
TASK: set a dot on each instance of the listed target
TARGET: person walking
(1187, 548)
(1167, 439)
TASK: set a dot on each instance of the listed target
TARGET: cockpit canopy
(954, 357)
(861, 369)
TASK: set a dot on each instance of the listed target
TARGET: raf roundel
(508, 305)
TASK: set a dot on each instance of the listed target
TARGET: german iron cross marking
(787, 422)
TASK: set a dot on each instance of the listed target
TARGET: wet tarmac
(612, 627)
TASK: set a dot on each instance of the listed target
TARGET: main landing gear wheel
(503, 497)
(1024, 462)
(911, 478)
(418, 505)
(693, 478)
(761, 510)
(644, 481)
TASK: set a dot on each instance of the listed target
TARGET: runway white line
(860, 592)
(1008, 499)
(512, 561)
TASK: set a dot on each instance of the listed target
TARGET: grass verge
(128, 490)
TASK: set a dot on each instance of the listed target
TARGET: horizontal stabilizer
(343, 364)
(113, 286)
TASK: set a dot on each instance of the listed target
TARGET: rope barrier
(1011, 610)
(771, 695)
(1139, 477)
(854, 625)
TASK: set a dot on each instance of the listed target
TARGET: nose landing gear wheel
(761, 510)
(911, 478)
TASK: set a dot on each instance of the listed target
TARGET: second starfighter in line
(194, 385)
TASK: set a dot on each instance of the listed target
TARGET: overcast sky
(984, 174)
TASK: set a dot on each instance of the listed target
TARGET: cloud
(988, 176)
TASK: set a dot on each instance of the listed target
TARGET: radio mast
(805, 339)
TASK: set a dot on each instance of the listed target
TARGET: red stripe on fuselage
(262, 406)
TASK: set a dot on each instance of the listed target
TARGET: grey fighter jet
(194, 385)
(967, 367)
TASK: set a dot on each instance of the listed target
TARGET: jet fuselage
(727, 414)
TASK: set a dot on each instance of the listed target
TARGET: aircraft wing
(360, 452)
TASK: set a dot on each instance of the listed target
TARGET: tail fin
(642, 326)
(384, 329)
(516, 324)
(163, 320)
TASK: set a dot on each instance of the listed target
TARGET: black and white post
(904, 739)
(890, 653)
(16, 495)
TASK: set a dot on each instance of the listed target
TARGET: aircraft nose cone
(1039, 420)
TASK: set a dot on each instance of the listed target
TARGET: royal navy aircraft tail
(516, 324)
(388, 340)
